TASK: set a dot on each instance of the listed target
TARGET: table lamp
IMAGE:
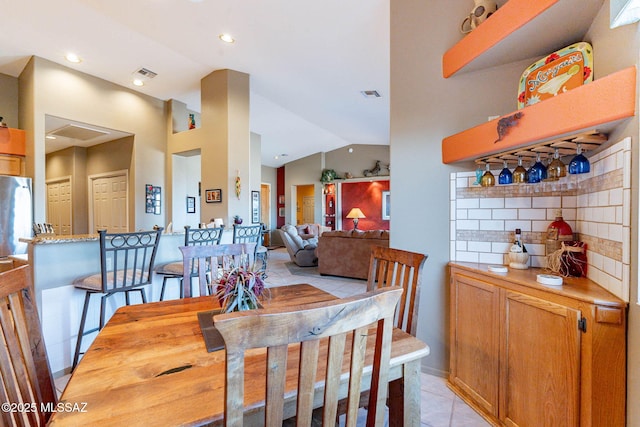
(355, 214)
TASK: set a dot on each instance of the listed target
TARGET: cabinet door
(474, 340)
(541, 363)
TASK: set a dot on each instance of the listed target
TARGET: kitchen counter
(579, 288)
(52, 239)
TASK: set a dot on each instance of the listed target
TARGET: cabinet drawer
(10, 165)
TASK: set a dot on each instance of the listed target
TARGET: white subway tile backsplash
(517, 202)
(609, 266)
(615, 232)
(595, 259)
(492, 203)
(479, 213)
(467, 256)
(626, 213)
(461, 183)
(468, 224)
(504, 214)
(609, 164)
(462, 214)
(538, 261)
(468, 203)
(536, 249)
(615, 196)
(522, 225)
(479, 247)
(569, 202)
(461, 245)
(532, 214)
(492, 225)
(603, 198)
(500, 247)
(602, 231)
(540, 226)
(489, 258)
(626, 245)
(619, 215)
(626, 176)
(546, 202)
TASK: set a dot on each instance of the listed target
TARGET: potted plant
(240, 288)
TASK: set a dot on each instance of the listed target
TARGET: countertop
(53, 239)
(579, 288)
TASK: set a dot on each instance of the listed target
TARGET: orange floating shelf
(12, 141)
(507, 19)
(594, 105)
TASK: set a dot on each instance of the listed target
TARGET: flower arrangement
(239, 289)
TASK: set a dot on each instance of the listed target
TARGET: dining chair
(209, 259)
(396, 267)
(317, 328)
(192, 237)
(253, 234)
(126, 265)
(25, 374)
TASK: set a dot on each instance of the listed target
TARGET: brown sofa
(347, 253)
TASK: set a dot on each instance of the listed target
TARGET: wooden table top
(150, 366)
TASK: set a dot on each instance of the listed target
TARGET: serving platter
(556, 73)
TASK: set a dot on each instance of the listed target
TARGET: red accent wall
(368, 197)
(280, 193)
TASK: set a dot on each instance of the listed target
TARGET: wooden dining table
(150, 366)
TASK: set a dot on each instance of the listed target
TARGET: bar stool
(126, 265)
(192, 237)
(253, 234)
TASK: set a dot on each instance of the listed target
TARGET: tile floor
(440, 407)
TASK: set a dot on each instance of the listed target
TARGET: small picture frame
(255, 207)
(213, 196)
(281, 199)
(191, 204)
(281, 212)
(386, 205)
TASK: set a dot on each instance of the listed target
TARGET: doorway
(265, 211)
(305, 204)
(108, 202)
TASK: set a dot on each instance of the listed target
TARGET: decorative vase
(237, 220)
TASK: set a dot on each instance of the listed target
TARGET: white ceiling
(308, 61)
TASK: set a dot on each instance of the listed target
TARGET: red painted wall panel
(280, 193)
(368, 197)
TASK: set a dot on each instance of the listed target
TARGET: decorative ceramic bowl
(519, 260)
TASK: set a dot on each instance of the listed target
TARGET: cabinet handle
(582, 324)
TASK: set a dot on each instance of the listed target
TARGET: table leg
(404, 397)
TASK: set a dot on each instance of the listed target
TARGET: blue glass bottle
(537, 172)
(505, 177)
(579, 164)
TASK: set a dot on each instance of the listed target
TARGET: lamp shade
(355, 213)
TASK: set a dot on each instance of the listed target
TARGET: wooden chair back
(26, 379)
(207, 259)
(395, 267)
(319, 328)
(126, 259)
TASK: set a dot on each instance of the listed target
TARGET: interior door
(308, 208)
(109, 202)
(59, 202)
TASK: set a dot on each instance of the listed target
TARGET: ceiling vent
(145, 73)
(77, 132)
(370, 94)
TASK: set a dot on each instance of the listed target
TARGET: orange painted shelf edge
(603, 101)
(513, 15)
(12, 141)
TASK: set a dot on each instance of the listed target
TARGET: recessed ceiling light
(50, 137)
(138, 82)
(351, 150)
(72, 57)
(227, 38)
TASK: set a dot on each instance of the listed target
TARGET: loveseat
(347, 253)
(301, 251)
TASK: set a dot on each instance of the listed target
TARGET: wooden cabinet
(524, 354)
(10, 165)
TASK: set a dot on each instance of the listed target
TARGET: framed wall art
(255, 207)
(191, 204)
(386, 205)
(213, 196)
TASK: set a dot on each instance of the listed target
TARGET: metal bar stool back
(252, 234)
(192, 237)
(126, 265)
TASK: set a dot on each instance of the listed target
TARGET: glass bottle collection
(537, 172)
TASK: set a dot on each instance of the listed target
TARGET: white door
(109, 203)
(308, 208)
(59, 202)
